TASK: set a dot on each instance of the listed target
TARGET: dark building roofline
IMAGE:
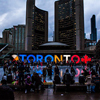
(41, 9)
(54, 44)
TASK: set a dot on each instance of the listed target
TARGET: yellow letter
(56, 58)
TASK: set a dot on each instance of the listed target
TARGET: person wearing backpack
(67, 80)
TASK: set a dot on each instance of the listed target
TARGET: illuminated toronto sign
(55, 58)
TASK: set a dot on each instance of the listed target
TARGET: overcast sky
(13, 12)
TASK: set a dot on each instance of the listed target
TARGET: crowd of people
(19, 72)
(90, 77)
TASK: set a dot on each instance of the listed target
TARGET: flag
(15, 28)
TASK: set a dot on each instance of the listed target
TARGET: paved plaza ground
(49, 95)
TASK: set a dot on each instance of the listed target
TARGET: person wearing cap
(28, 84)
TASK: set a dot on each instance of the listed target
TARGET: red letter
(76, 57)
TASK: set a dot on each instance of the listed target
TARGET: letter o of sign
(76, 57)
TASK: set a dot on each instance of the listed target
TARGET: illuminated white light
(15, 57)
(67, 57)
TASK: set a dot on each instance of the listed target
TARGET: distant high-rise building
(36, 26)
(7, 36)
(93, 35)
(19, 37)
(69, 23)
(84, 35)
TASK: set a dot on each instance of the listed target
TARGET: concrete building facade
(7, 36)
(36, 26)
(69, 23)
(19, 37)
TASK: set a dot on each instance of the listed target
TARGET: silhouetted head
(66, 70)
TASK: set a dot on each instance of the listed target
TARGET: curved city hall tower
(69, 23)
(36, 26)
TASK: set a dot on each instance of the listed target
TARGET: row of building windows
(39, 28)
(19, 38)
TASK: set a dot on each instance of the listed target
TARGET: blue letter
(52, 59)
(29, 57)
(39, 58)
(22, 57)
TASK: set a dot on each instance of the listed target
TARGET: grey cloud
(14, 11)
(16, 14)
(91, 7)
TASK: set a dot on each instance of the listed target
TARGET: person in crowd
(83, 64)
(33, 80)
(91, 65)
(5, 68)
(56, 70)
(47, 64)
(9, 76)
(21, 74)
(67, 63)
(73, 72)
(44, 74)
(85, 72)
(31, 68)
(27, 68)
(4, 79)
(6, 93)
(9, 62)
(93, 72)
(16, 63)
(9, 70)
(82, 79)
(97, 66)
(28, 84)
(67, 80)
(56, 80)
(96, 81)
(14, 69)
(61, 63)
(88, 83)
(50, 72)
(37, 81)
(88, 71)
(33, 77)
(93, 84)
